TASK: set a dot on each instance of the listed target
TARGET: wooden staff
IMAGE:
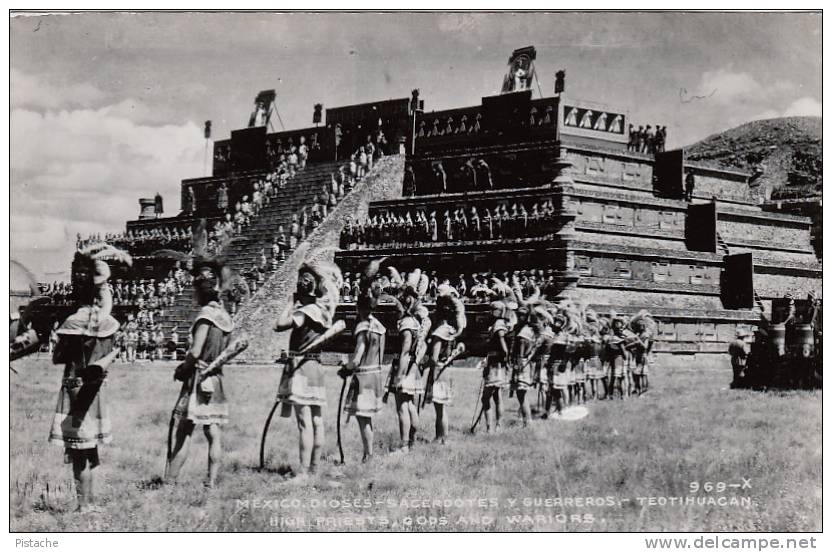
(334, 330)
(232, 350)
(331, 332)
(437, 371)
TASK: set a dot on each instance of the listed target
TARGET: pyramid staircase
(245, 250)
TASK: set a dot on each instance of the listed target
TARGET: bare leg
(213, 433)
(486, 408)
(414, 422)
(365, 426)
(549, 399)
(179, 452)
(303, 415)
(498, 408)
(561, 400)
(525, 408)
(403, 411)
(441, 422)
(82, 471)
(319, 438)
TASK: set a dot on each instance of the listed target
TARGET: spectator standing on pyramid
(257, 199)
(303, 153)
(353, 169)
(641, 141)
(281, 241)
(292, 161)
(648, 140)
(661, 138)
(222, 197)
(158, 205)
(247, 210)
(409, 182)
(190, 200)
(690, 184)
(370, 150)
(332, 202)
(362, 163)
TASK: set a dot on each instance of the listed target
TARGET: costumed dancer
(643, 326)
(618, 354)
(405, 379)
(202, 399)
(523, 353)
(739, 350)
(546, 341)
(593, 355)
(85, 348)
(556, 364)
(575, 351)
(308, 316)
(449, 323)
(364, 398)
(495, 373)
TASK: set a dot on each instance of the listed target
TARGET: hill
(785, 153)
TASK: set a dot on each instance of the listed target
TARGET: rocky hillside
(785, 154)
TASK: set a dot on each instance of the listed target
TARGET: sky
(108, 108)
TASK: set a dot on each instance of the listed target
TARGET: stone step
(297, 193)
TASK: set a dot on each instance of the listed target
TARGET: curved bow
(338, 418)
(265, 434)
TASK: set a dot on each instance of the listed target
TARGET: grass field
(622, 468)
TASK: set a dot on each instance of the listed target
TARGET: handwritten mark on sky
(684, 98)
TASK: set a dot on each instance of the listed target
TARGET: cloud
(725, 98)
(83, 170)
(33, 92)
(767, 114)
(805, 106)
(726, 86)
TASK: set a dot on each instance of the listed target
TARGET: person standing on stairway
(222, 198)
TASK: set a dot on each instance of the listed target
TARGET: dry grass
(689, 428)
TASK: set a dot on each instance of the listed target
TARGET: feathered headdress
(94, 258)
(615, 317)
(504, 293)
(225, 280)
(541, 312)
(329, 282)
(415, 285)
(452, 310)
(644, 317)
(592, 323)
(572, 315)
(369, 286)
